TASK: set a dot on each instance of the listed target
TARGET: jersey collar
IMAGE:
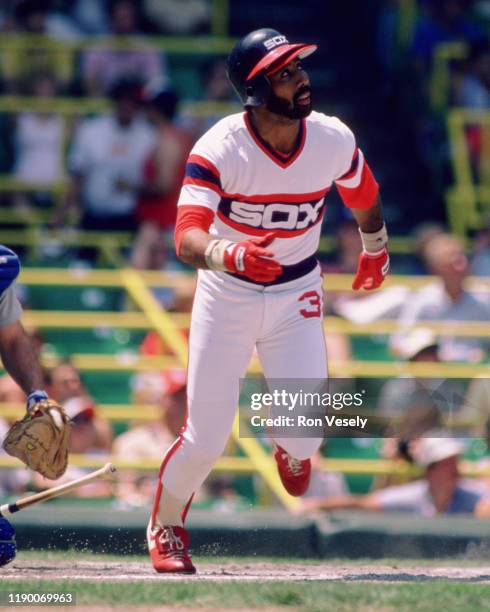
(281, 159)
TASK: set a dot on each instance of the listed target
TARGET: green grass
(70, 555)
(308, 596)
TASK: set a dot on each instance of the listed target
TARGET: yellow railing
(15, 44)
(169, 327)
(440, 81)
(34, 236)
(245, 465)
(407, 14)
(60, 319)
(83, 277)
(468, 200)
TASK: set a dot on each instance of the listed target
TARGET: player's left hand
(372, 269)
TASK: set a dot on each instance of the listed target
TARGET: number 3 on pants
(314, 304)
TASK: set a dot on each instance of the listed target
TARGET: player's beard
(293, 110)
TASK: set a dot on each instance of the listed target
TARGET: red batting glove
(371, 270)
(250, 258)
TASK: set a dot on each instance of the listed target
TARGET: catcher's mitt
(41, 439)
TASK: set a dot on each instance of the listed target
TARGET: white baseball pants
(230, 317)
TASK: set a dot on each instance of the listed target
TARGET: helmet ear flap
(257, 91)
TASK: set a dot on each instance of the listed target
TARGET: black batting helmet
(257, 54)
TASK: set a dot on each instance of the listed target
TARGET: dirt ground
(105, 571)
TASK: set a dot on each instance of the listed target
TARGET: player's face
(291, 93)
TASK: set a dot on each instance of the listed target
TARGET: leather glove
(41, 439)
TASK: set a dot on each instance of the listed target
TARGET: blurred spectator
(11, 480)
(446, 300)
(443, 21)
(107, 154)
(167, 390)
(25, 59)
(39, 139)
(406, 392)
(90, 432)
(216, 88)
(164, 172)
(477, 406)
(348, 248)
(441, 491)
(91, 16)
(423, 234)
(179, 16)
(103, 66)
(10, 392)
(323, 483)
(480, 263)
(471, 89)
(474, 88)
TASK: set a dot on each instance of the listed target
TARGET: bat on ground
(20, 504)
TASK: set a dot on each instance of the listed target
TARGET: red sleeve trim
(191, 217)
(202, 161)
(364, 195)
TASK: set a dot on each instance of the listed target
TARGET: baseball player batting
(249, 218)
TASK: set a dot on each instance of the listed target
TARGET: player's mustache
(302, 91)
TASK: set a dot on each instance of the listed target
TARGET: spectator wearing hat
(440, 491)
(164, 170)
(400, 394)
(107, 150)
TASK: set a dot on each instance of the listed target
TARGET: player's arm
(16, 351)
(19, 359)
(249, 258)
(199, 199)
(374, 261)
(360, 193)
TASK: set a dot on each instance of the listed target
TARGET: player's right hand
(250, 258)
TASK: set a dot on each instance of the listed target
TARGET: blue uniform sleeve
(9, 267)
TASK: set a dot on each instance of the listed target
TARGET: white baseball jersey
(248, 189)
(253, 189)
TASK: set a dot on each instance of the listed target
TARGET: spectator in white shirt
(446, 299)
(108, 151)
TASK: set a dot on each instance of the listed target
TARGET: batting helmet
(256, 55)
(7, 542)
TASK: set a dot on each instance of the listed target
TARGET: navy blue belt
(289, 273)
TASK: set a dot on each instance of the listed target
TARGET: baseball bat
(20, 504)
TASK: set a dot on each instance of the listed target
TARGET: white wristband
(374, 242)
(214, 254)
